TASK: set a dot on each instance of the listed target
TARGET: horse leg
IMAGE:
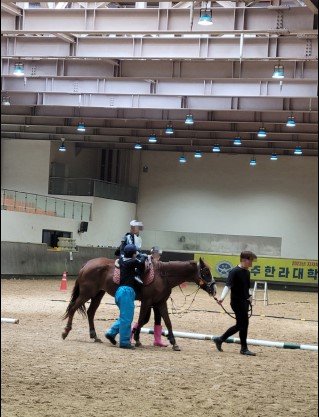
(145, 313)
(95, 302)
(164, 313)
(77, 304)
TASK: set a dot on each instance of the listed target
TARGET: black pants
(242, 321)
(157, 316)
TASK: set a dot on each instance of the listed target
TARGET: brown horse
(96, 277)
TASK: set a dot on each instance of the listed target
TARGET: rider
(156, 252)
(125, 297)
(133, 237)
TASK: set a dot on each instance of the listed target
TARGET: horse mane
(177, 268)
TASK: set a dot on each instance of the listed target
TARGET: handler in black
(239, 282)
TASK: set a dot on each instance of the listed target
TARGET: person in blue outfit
(125, 295)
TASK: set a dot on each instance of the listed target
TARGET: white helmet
(136, 223)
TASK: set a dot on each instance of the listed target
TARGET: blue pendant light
(274, 157)
(298, 150)
(216, 148)
(205, 17)
(18, 69)
(253, 161)
(291, 121)
(198, 154)
(237, 141)
(81, 127)
(182, 159)
(169, 129)
(278, 72)
(189, 120)
(152, 138)
(62, 147)
(262, 132)
(138, 146)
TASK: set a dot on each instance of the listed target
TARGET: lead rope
(174, 309)
(250, 311)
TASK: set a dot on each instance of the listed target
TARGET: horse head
(206, 279)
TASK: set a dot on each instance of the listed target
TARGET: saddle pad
(148, 277)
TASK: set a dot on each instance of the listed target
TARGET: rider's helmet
(129, 250)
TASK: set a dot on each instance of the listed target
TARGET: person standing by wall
(125, 297)
(238, 282)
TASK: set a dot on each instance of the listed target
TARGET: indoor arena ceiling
(129, 70)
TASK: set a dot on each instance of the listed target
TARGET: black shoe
(247, 352)
(128, 347)
(110, 338)
(218, 342)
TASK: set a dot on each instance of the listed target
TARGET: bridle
(203, 283)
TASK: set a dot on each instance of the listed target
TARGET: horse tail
(81, 309)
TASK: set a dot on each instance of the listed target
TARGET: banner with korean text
(296, 271)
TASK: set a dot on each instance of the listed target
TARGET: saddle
(148, 276)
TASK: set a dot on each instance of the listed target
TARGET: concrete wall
(223, 194)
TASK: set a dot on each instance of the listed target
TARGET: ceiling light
(216, 148)
(278, 72)
(274, 157)
(262, 133)
(291, 121)
(152, 138)
(298, 151)
(62, 147)
(205, 17)
(169, 129)
(237, 141)
(5, 101)
(138, 146)
(81, 127)
(253, 161)
(198, 154)
(182, 159)
(189, 120)
(18, 69)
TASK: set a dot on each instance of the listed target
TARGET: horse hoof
(176, 348)
(64, 335)
(138, 344)
(98, 340)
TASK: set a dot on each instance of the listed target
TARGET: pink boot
(157, 336)
(133, 331)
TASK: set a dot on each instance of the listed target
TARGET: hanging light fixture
(262, 132)
(278, 72)
(291, 121)
(205, 17)
(169, 129)
(298, 150)
(189, 120)
(5, 101)
(197, 154)
(182, 159)
(81, 127)
(18, 69)
(152, 138)
(138, 146)
(273, 157)
(237, 141)
(62, 147)
(253, 161)
(216, 148)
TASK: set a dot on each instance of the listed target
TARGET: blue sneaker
(110, 338)
(128, 347)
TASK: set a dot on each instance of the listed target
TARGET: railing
(92, 187)
(41, 204)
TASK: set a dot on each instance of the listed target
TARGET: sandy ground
(45, 376)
